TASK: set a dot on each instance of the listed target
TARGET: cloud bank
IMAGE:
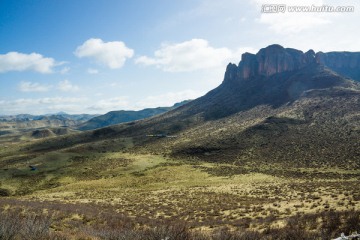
(187, 56)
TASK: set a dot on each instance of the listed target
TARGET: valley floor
(82, 191)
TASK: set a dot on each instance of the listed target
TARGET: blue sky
(93, 56)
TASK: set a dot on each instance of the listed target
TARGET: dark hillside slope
(321, 128)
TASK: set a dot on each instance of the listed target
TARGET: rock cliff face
(344, 63)
(277, 59)
(273, 59)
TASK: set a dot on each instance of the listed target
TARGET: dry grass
(150, 188)
(249, 176)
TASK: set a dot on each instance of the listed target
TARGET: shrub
(4, 192)
(8, 226)
(15, 225)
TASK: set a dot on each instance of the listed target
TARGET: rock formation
(345, 63)
(277, 59)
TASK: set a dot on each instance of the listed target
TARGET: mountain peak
(275, 47)
(275, 59)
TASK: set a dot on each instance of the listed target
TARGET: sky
(95, 56)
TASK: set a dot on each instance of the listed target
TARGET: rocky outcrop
(344, 63)
(273, 59)
(339, 59)
(277, 59)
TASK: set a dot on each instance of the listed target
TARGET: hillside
(116, 117)
(272, 153)
(247, 111)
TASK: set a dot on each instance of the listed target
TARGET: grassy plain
(149, 190)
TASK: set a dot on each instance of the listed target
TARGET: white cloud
(33, 87)
(110, 104)
(110, 54)
(168, 99)
(66, 86)
(92, 71)
(14, 61)
(187, 56)
(293, 22)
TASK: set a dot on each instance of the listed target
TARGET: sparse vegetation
(56, 220)
(285, 170)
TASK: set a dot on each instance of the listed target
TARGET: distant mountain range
(56, 116)
(9, 124)
(50, 125)
(116, 117)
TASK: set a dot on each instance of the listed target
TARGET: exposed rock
(276, 59)
(248, 66)
(310, 56)
(345, 63)
(231, 73)
(273, 59)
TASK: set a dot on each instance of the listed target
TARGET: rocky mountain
(274, 76)
(276, 59)
(279, 105)
(116, 117)
(273, 59)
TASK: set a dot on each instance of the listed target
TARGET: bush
(15, 225)
(8, 226)
(4, 192)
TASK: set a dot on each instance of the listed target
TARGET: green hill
(116, 117)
